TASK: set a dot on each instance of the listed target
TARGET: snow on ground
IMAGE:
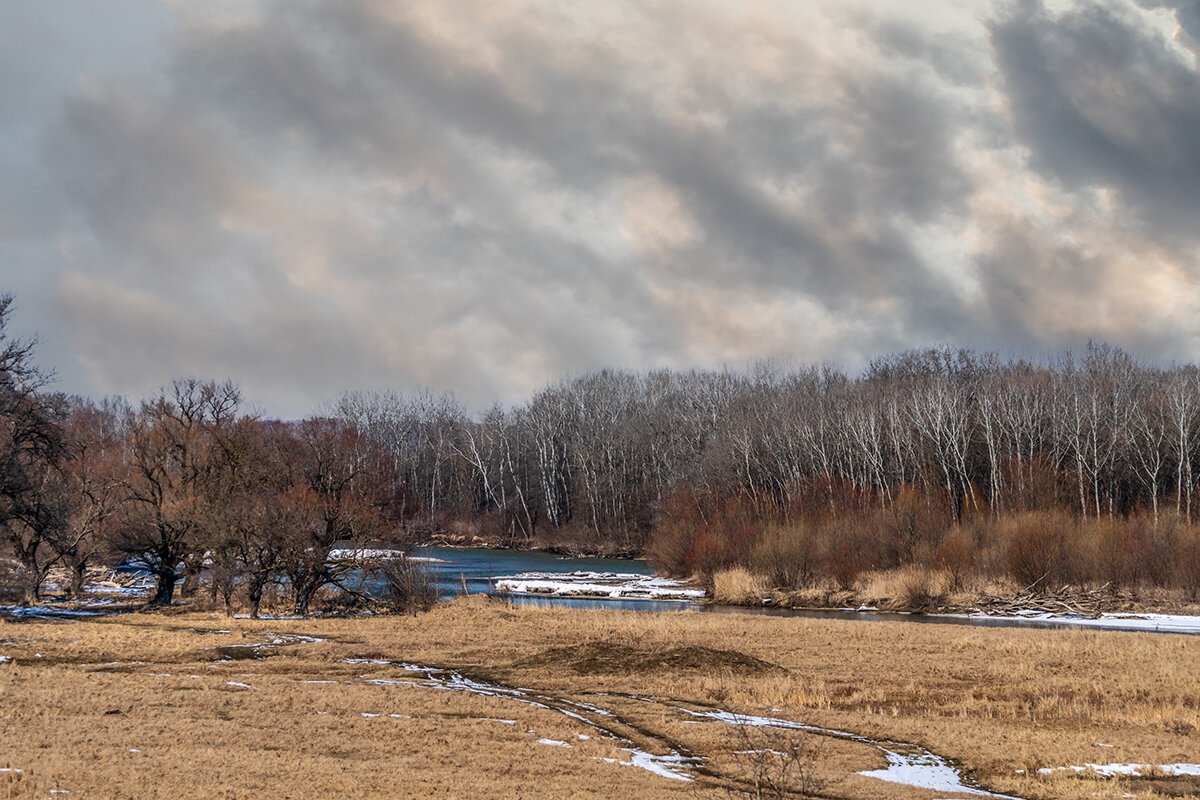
(46, 611)
(614, 585)
(749, 720)
(1111, 770)
(667, 766)
(1153, 623)
(553, 742)
(924, 770)
(670, 766)
(907, 764)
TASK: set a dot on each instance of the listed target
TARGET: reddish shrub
(844, 565)
(789, 556)
(954, 555)
(920, 522)
(1037, 550)
(1186, 563)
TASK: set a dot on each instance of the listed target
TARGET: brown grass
(738, 586)
(996, 700)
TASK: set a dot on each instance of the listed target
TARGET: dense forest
(1081, 469)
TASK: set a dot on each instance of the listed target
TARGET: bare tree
(175, 449)
(32, 447)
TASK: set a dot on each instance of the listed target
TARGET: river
(481, 570)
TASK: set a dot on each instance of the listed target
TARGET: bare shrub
(920, 519)
(873, 533)
(1037, 549)
(674, 531)
(1186, 564)
(789, 556)
(953, 554)
(827, 496)
(1131, 551)
(844, 565)
(699, 533)
(410, 585)
(773, 764)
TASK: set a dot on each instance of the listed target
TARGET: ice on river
(613, 585)
(1152, 623)
(376, 554)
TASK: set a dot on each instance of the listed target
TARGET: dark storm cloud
(1103, 102)
(1108, 109)
(308, 197)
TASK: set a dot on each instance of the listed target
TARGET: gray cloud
(309, 197)
(1104, 103)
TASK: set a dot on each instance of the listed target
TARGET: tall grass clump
(739, 586)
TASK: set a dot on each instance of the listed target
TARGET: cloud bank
(481, 196)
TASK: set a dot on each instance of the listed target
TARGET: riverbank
(216, 706)
(915, 590)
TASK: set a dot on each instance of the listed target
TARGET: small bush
(789, 556)
(845, 565)
(917, 589)
(410, 586)
(1187, 563)
(953, 554)
(1037, 551)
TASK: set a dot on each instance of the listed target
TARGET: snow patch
(1112, 770)
(611, 585)
(553, 742)
(46, 612)
(907, 764)
(924, 770)
(669, 766)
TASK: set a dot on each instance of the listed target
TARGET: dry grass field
(185, 705)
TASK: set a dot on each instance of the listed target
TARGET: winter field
(480, 698)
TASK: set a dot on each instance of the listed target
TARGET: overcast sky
(485, 195)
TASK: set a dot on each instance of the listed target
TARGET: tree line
(797, 472)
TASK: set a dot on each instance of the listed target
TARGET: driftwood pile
(101, 578)
(1068, 600)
